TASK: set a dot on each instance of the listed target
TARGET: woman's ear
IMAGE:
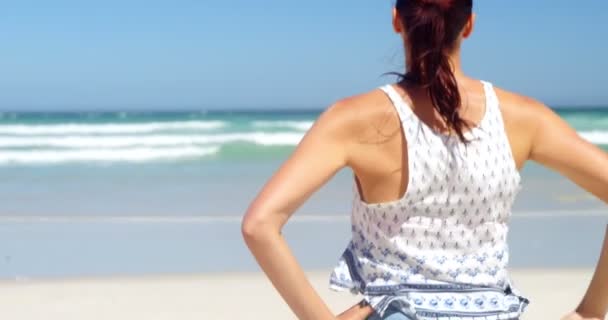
(397, 26)
(468, 28)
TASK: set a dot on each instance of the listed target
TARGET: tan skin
(363, 133)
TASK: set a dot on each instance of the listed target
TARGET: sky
(244, 54)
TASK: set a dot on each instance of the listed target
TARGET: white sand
(228, 296)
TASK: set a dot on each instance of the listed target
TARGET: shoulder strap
(491, 97)
(402, 108)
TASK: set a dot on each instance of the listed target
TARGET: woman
(435, 159)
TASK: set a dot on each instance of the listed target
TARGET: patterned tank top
(440, 250)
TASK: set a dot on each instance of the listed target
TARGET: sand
(229, 296)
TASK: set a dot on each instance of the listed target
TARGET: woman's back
(379, 153)
(451, 223)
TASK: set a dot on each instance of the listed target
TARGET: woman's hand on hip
(360, 311)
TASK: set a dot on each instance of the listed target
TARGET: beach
(232, 296)
(135, 136)
(137, 216)
(199, 268)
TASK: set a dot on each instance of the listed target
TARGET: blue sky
(221, 54)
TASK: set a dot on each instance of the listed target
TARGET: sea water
(97, 193)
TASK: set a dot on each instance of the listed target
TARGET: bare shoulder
(520, 107)
(362, 117)
(529, 112)
(533, 128)
(524, 117)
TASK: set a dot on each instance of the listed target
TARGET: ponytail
(432, 30)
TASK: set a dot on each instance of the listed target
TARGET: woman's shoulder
(363, 115)
(524, 114)
(520, 106)
(525, 117)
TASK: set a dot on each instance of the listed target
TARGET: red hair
(433, 28)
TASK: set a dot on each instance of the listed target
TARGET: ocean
(173, 137)
(102, 193)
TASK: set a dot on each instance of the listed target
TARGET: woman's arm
(320, 155)
(558, 146)
(595, 302)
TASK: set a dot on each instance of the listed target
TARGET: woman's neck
(456, 65)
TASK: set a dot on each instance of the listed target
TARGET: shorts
(391, 313)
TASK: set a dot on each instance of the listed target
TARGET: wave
(298, 125)
(259, 138)
(108, 128)
(104, 155)
(596, 137)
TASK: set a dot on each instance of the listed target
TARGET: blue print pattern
(441, 250)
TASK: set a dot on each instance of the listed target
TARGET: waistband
(451, 305)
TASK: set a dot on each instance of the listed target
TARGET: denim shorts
(391, 313)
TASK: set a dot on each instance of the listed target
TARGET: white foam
(113, 128)
(260, 138)
(596, 137)
(168, 140)
(104, 155)
(298, 125)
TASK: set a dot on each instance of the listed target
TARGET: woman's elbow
(248, 228)
(254, 227)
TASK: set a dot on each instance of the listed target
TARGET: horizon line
(560, 107)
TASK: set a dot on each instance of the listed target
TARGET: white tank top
(451, 225)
